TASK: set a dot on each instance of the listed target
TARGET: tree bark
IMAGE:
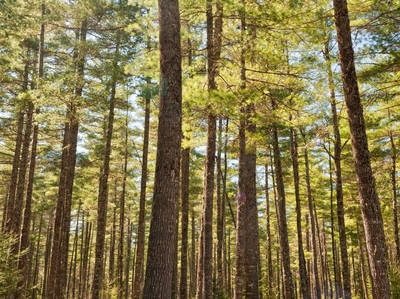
(317, 288)
(339, 186)
(160, 254)
(183, 290)
(369, 201)
(304, 283)
(394, 198)
(103, 192)
(283, 233)
(138, 284)
(269, 243)
(59, 256)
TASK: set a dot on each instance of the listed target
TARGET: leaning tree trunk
(166, 185)
(369, 201)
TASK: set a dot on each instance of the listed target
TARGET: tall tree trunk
(47, 251)
(166, 185)
(317, 288)
(111, 262)
(304, 283)
(25, 233)
(369, 201)
(174, 282)
(338, 173)
(247, 242)
(59, 256)
(103, 191)
(183, 291)
(15, 166)
(20, 192)
(122, 213)
(128, 260)
(394, 197)
(220, 224)
(208, 191)
(142, 207)
(192, 289)
(269, 243)
(283, 232)
(336, 272)
(37, 260)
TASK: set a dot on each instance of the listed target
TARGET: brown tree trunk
(174, 282)
(20, 192)
(269, 243)
(103, 193)
(336, 272)
(283, 232)
(111, 262)
(317, 288)
(37, 260)
(14, 172)
(183, 291)
(138, 284)
(247, 242)
(369, 201)
(338, 173)
(162, 240)
(59, 256)
(192, 289)
(304, 283)
(128, 260)
(220, 223)
(25, 233)
(394, 197)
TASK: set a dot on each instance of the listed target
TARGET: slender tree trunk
(128, 260)
(162, 240)
(103, 192)
(269, 243)
(111, 262)
(363, 272)
(336, 272)
(49, 238)
(205, 273)
(59, 256)
(174, 282)
(20, 192)
(394, 197)
(316, 284)
(37, 261)
(369, 201)
(184, 221)
(192, 290)
(338, 173)
(304, 283)
(142, 207)
(25, 233)
(283, 232)
(14, 172)
(220, 228)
